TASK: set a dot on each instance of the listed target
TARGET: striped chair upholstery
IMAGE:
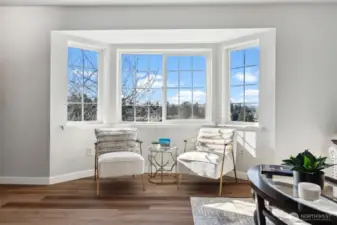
(118, 153)
(214, 154)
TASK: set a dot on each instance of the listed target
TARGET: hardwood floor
(121, 201)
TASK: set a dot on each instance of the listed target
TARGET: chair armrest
(140, 145)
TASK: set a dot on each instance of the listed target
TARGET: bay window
(163, 87)
(244, 83)
(83, 70)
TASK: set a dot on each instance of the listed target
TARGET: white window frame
(207, 52)
(100, 51)
(227, 78)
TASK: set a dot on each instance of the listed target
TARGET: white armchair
(213, 155)
(118, 153)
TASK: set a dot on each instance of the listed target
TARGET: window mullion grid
(134, 89)
(244, 86)
(179, 88)
(192, 87)
(164, 91)
(148, 77)
(82, 92)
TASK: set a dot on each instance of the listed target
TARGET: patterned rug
(231, 211)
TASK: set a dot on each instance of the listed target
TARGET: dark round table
(277, 189)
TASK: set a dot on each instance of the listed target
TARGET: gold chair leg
(97, 187)
(143, 180)
(97, 182)
(220, 188)
(179, 176)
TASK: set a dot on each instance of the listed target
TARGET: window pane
(251, 94)
(155, 113)
(141, 96)
(172, 63)
(251, 113)
(90, 87)
(172, 111)
(142, 113)
(149, 80)
(83, 72)
(172, 79)
(199, 62)
(185, 96)
(155, 97)
(236, 94)
(185, 79)
(156, 62)
(199, 96)
(252, 56)
(75, 84)
(75, 58)
(127, 79)
(128, 96)
(128, 62)
(199, 111)
(237, 59)
(90, 59)
(252, 75)
(237, 76)
(172, 96)
(142, 63)
(185, 110)
(185, 63)
(237, 112)
(90, 112)
(199, 79)
(127, 113)
(74, 112)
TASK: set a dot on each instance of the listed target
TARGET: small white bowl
(309, 191)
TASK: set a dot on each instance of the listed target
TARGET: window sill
(165, 124)
(243, 127)
(93, 124)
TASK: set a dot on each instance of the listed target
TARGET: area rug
(231, 211)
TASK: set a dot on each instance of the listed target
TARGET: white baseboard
(46, 180)
(71, 176)
(240, 175)
(25, 180)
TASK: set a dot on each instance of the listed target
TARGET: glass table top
(163, 149)
(327, 202)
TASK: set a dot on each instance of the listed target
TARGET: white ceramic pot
(156, 146)
(309, 191)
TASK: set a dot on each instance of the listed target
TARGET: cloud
(186, 96)
(252, 92)
(251, 96)
(149, 81)
(86, 73)
(250, 77)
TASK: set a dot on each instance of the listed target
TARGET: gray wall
(306, 53)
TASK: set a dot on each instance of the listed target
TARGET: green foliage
(307, 163)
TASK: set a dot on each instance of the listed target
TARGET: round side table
(162, 163)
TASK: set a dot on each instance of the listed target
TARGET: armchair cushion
(119, 157)
(116, 164)
(206, 164)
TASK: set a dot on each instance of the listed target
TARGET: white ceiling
(147, 2)
(162, 36)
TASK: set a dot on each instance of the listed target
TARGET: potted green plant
(156, 145)
(307, 168)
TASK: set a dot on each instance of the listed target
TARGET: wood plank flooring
(122, 201)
